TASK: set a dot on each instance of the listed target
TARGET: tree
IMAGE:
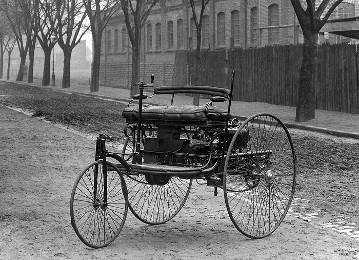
(8, 48)
(198, 19)
(45, 34)
(69, 21)
(20, 17)
(99, 13)
(5, 32)
(311, 16)
(136, 13)
(30, 8)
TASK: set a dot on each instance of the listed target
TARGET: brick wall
(119, 74)
(114, 69)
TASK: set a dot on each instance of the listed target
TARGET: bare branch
(331, 10)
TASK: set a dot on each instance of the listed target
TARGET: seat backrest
(202, 90)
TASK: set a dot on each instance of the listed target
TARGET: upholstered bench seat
(177, 114)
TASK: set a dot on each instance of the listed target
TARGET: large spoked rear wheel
(154, 199)
(259, 175)
(98, 218)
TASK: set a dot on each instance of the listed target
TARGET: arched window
(180, 36)
(254, 25)
(193, 34)
(149, 37)
(273, 20)
(108, 40)
(205, 31)
(170, 35)
(235, 27)
(116, 40)
(221, 33)
(158, 36)
(124, 39)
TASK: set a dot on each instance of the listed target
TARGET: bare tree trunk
(95, 68)
(30, 76)
(197, 66)
(67, 67)
(8, 65)
(20, 74)
(307, 95)
(47, 67)
(135, 71)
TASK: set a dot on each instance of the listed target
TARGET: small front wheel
(98, 205)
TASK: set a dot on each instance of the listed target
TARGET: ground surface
(40, 162)
(39, 165)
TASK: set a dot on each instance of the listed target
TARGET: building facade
(226, 24)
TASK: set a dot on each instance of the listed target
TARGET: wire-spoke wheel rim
(128, 149)
(259, 177)
(156, 204)
(98, 222)
(154, 199)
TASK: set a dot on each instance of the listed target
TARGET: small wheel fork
(101, 153)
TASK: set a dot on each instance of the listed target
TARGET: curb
(353, 135)
(316, 129)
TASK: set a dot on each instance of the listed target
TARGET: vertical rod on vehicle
(226, 135)
(104, 172)
(138, 141)
(230, 99)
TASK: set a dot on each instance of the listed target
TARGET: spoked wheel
(98, 205)
(156, 199)
(259, 175)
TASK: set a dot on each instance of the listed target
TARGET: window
(273, 20)
(205, 31)
(235, 27)
(221, 26)
(108, 40)
(346, 10)
(254, 26)
(170, 35)
(116, 40)
(149, 37)
(158, 36)
(124, 39)
(180, 44)
(193, 34)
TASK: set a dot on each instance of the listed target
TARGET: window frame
(158, 32)
(221, 30)
(235, 27)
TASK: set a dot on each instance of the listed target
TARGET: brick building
(226, 24)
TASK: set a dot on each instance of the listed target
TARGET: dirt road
(39, 165)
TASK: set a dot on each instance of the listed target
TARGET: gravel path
(40, 163)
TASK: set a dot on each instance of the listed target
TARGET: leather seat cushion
(193, 114)
(216, 114)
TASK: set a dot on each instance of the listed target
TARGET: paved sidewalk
(328, 122)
